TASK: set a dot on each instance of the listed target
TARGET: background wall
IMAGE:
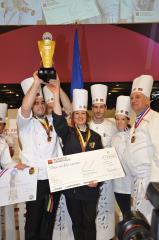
(109, 53)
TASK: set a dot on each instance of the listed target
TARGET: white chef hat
(99, 93)
(80, 99)
(3, 112)
(123, 106)
(48, 95)
(26, 85)
(143, 84)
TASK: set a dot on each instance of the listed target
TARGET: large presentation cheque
(17, 185)
(79, 169)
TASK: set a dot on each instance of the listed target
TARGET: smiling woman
(81, 201)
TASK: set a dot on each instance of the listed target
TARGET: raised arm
(59, 120)
(30, 96)
(54, 86)
(66, 103)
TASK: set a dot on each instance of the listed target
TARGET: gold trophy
(46, 48)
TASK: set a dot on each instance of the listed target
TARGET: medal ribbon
(50, 203)
(45, 123)
(140, 117)
(138, 121)
(126, 129)
(81, 140)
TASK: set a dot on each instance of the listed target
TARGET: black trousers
(123, 201)
(39, 223)
(83, 215)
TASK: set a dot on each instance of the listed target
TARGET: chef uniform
(2, 12)
(5, 162)
(39, 143)
(11, 12)
(142, 149)
(5, 158)
(81, 201)
(105, 220)
(109, 10)
(30, 12)
(122, 186)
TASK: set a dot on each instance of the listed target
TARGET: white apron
(105, 221)
(140, 203)
(122, 185)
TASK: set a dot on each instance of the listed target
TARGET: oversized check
(79, 169)
(17, 185)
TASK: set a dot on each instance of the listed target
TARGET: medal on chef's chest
(133, 139)
(138, 122)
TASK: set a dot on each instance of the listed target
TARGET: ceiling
(12, 93)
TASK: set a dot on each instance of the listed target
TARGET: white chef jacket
(106, 130)
(2, 11)
(145, 149)
(36, 150)
(122, 185)
(26, 18)
(109, 10)
(5, 158)
(12, 14)
(141, 156)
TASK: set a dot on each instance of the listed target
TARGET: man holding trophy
(39, 143)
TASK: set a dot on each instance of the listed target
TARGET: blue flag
(77, 80)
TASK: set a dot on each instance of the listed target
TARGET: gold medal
(49, 139)
(31, 171)
(133, 139)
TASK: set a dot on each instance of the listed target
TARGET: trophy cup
(46, 48)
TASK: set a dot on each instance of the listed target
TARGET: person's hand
(21, 166)
(54, 85)
(92, 184)
(37, 79)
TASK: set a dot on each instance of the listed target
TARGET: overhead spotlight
(17, 95)
(109, 93)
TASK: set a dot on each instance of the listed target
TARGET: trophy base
(46, 74)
